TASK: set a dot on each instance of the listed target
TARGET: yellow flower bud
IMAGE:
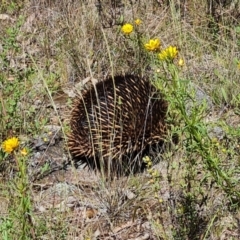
(24, 152)
(138, 21)
(180, 62)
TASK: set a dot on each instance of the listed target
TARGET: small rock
(130, 195)
(216, 132)
(6, 17)
(41, 209)
(199, 98)
(144, 237)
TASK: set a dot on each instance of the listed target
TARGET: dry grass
(46, 49)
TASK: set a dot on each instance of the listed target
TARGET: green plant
(16, 109)
(20, 205)
(188, 115)
(11, 6)
(195, 129)
(6, 228)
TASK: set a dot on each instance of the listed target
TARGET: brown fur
(115, 121)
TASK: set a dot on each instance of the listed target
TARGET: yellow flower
(127, 28)
(24, 152)
(154, 173)
(150, 181)
(224, 150)
(149, 164)
(180, 62)
(146, 159)
(138, 21)
(168, 54)
(150, 170)
(10, 144)
(153, 45)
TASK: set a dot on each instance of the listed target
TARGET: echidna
(114, 121)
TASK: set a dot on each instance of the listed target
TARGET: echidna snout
(114, 121)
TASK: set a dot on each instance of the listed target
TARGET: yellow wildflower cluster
(151, 171)
(10, 145)
(168, 54)
(128, 28)
(148, 161)
(154, 174)
(154, 45)
(216, 144)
